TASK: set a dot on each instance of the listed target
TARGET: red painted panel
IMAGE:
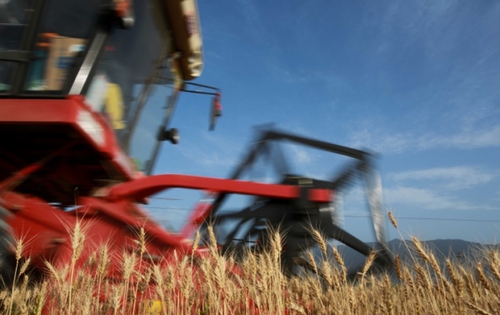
(141, 188)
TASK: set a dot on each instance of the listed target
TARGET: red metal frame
(114, 217)
(66, 111)
(143, 187)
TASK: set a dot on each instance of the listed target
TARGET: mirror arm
(216, 107)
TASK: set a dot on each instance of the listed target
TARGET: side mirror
(171, 135)
(216, 110)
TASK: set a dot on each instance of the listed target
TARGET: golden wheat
(210, 285)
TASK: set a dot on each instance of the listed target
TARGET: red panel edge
(65, 111)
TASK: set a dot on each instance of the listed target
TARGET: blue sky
(416, 81)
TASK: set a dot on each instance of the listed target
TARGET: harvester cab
(102, 76)
(124, 60)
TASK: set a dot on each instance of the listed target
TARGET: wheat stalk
(477, 308)
(482, 277)
(320, 240)
(368, 263)
(392, 219)
(340, 261)
(397, 266)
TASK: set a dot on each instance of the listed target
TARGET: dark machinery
(250, 227)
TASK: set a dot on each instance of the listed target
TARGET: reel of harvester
(250, 228)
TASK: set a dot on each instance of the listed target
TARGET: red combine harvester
(87, 92)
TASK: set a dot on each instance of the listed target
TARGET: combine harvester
(87, 92)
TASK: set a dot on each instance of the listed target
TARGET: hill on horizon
(458, 251)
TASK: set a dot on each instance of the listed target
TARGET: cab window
(65, 29)
(14, 19)
(135, 80)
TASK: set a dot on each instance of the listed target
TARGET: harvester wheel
(7, 260)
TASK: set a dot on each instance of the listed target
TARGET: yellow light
(153, 307)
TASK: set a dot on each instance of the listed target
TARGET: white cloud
(425, 199)
(385, 141)
(214, 150)
(466, 139)
(381, 141)
(214, 159)
(301, 155)
(459, 177)
(252, 19)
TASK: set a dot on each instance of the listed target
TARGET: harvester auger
(250, 227)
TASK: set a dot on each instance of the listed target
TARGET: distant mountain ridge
(456, 250)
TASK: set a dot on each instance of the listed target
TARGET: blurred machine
(87, 92)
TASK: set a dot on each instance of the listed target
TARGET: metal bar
(373, 187)
(330, 147)
(141, 188)
(89, 65)
(350, 240)
(342, 179)
(199, 92)
(15, 55)
(202, 85)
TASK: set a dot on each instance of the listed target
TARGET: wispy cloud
(383, 140)
(425, 200)
(302, 155)
(252, 19)
(467, 139)
(455, 93)
(215, 159)
(454, 178)
(380, 140)
(332, 83)
(213, 152)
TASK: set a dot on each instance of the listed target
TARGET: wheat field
(211, 285)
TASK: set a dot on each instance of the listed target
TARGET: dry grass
(211, 286)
